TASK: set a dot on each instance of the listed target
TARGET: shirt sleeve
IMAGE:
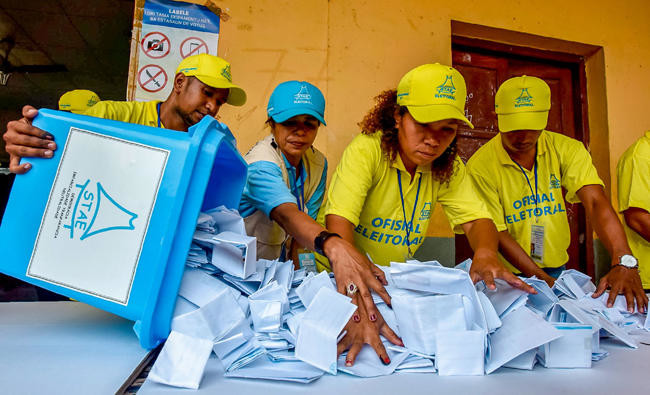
(265, 188)
(352, 179)
(577, 169)
(633, 182)
(488, 193)
(314, 204)
(459, 200)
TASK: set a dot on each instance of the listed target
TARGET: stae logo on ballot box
(95, 221)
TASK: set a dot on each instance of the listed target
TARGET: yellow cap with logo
(523, 103)
(433, 92)
(215, 72)
(78, 101)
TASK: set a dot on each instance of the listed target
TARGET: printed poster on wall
(171, 31)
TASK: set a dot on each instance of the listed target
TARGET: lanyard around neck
(534, 193)
(158, 111)
(401, 195)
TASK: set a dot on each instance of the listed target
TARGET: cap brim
(437, 112)
(284, 115)
(236, 97)
(523, 121)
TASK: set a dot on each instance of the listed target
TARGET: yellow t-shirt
(365, 191)
(633, 173)
(561, 162)
(141, 113)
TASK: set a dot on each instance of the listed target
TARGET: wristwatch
(319, 241)
(628, 261)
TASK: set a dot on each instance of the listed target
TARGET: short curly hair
(381, 118)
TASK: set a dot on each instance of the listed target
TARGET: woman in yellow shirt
(390, 177)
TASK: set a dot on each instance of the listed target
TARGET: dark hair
(381, 118)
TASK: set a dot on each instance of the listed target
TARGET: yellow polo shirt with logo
(562, 162)
(633, 173)
(365, 191)
(141, 113)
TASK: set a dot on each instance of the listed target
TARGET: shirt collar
(505, 159)
(292, 171)
(399, 165)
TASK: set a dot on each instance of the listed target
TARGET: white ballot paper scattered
(521, 330)
(460, 353)
(525, 361)
(324, 319)
(421, 317)
(311, 285)
(572, 350)
(368, 364)
(226, 220)
(506, 298)
(264, 368)
(182, 361)
(237, 255)
(573, 284)
(545, 298)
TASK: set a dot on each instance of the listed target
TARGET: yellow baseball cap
(523, 103)
(215, 72)
(433, 92)
(78, 101)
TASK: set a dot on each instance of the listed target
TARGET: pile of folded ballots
(264, 320)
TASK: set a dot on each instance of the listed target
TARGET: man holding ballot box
(520, 174)
(202, 84)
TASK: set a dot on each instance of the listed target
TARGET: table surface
(69, 347)
(64, 347)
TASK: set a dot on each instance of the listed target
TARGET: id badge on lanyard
(307, 260)
(537, 243)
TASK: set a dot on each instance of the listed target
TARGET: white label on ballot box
(97, 215)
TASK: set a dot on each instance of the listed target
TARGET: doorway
(485, 65)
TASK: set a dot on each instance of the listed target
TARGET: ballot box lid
(109, 220)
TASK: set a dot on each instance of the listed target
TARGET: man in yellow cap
(633, 173)
(520, 174)
(78, 101)
(202, 84)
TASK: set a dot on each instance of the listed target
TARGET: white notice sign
(97, 215)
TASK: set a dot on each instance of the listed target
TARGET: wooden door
(484, 71)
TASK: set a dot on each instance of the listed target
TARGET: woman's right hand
(361, 330)
(24, 140)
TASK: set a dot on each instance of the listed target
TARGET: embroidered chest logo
(426, 212)
(524, 99)
(446, 90)
(555, 183)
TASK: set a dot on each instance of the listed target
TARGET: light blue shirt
(265, 188)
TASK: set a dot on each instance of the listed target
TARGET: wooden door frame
(574, 62)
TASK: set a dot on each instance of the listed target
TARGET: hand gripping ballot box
(109, 220)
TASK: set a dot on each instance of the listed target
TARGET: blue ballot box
(109, 220)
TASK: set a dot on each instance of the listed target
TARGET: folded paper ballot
(460, 353)
(421, 317)
(573, 284)
(521, 330)
(311, 285)
(319, 328)
(506, 298)
(368, 364)
(226, 220)
(284, 370)
(234, 253)
(525, 361)
(182, 361)
(544, 300)
(571, 350)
